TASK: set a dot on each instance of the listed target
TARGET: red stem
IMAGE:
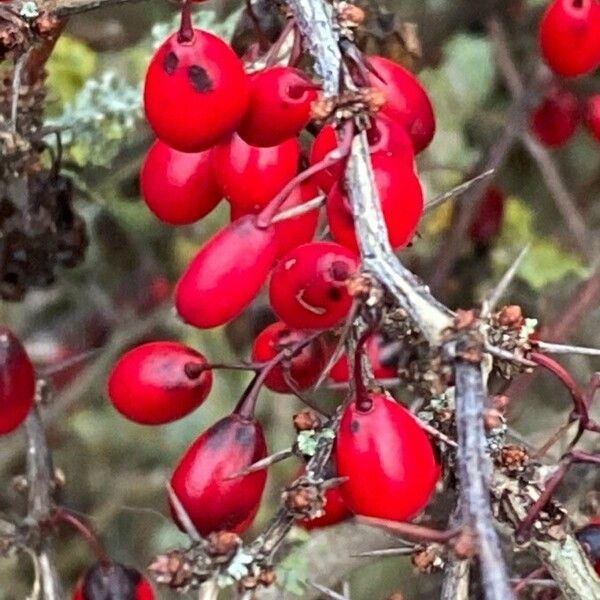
(363, 402)
(263, 220)
(186, 29)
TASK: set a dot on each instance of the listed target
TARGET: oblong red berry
(178, 187)
(17, 381)
(569, 36)
(201, 479)
(226, 274)
(308, 288)
(555, 120)
(401, 198)
(385, 136)
(250, 177)
(406, 100)
(388, 460)
(112, 581)
(159, 382)
(195, 92)
(592, 115)
(279, 108)
(302, 368)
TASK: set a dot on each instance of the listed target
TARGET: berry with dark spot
(226, 274)
(400, 195)
(178, 187)
(308, 288)
(250, 177)
(592, 115)
(387, 457)
(406, 100)
(589, 538)
(159, 382)
(17, 381)
(570, 36)
(555, 120)
(203, 482)
(113, 581)
(196, 91)
(303, 367)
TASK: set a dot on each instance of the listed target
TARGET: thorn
(402, 551)
(506, 355)
(489, 304)
(296, 211)
(456, 191)
(334, 482)
(433, 432)
(567, 349)
(52, 370)
(263, 463)
(182, 515)
(326, 591)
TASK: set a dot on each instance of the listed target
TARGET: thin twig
(456, 191)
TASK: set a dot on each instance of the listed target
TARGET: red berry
(226, 274)
(280, 101)
(382, 368)
(196, 92)
(334, 510)
(17, 381)
(200, 481)
(112, 581)
(406, 100)
(401, 198)
(589, 538)
(555, 120)
(303, 368)
(159, 382)
(592, 115)
(388, 459)
(487, 220)
(570, 36)
(385, 136)
(178, 187)
(308, 285)
(250, 177)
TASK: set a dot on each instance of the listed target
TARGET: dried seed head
(267, 576)
(222, 544)
(513, 458)
(511, 317)
(427, 559)
(307, 420)
(172, 569)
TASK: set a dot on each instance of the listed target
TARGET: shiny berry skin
(570, 36)
(178, 187)
(226, 274)
(592, 116)
(382, 369)
(334, 510)
(388, 459)
(303, 368)
(159, 382)
(196, 92)
(487, 220)
(280, 102)
(555, 120)
(308, 285)
(589, 538)
(200, 481)
(385, 136)
(406, 100)
(250, 177)
(401, 198)
(17, 381)
(111, 582)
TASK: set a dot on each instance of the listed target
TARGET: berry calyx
(196, 91)
(17, 382)
(279, 108)
(226, 274)
(555, 120)
(112, 581)
(388, 459)
(570, 36)
(308, 288)
(178, 187)
(248, 176)
(203, 483)
(159, 382)
(301, 369)
(592, 115)
(400, 195)
(406, 100)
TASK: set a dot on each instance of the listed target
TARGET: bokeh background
(115, 471)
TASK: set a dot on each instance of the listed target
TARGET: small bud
(513, 458)
(307, 420)
(267, 576)
(222, 544)
(511, 317)
(303, 501)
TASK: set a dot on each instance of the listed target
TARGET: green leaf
(292, 572)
